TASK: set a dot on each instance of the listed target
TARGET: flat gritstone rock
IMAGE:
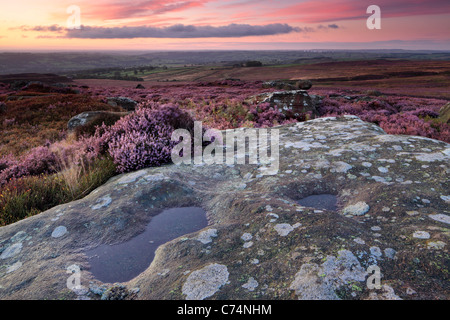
(124, 261)
(320, 201)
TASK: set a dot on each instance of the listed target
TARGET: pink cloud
(128, 9)
(333, 10)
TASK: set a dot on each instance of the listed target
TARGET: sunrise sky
(222, 25)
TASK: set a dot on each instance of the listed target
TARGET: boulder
(288, 84)
(89, 117)
(303, 84)
(278, 84)
(259, 242)
(18, 84)
(140, 86)
(123, 102)
(292, 103)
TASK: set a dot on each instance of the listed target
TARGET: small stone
(421, 235)
(357, 209)
(410, 291)
(59, 232)
(440, 217)
(251, 284)
(390, 253)
(375, 251)
(248, 244)
(205, 282)
(102, 202)
(283, 229)
(359, 240)
(437, 245)
(246, 236)
(205, 236)
(274, 215)
(11, 251)
(341, 167)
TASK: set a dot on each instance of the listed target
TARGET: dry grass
(33, 121)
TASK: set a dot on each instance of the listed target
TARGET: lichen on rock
(205, 282)
(395, 218)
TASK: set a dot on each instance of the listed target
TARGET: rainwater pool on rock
(122, 262)
(320, 201)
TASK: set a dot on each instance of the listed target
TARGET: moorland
(43, 164)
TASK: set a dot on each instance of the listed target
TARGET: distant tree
(253, 64)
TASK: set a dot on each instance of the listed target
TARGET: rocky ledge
(392, 217)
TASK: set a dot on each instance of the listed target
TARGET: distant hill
(69, 62)
(47, 78)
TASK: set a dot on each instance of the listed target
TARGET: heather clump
(39, 160)
(264, 115)
(142, 138)
(7, 161)
(394, 114)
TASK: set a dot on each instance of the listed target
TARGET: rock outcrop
(288, 84)
(392, 222)
(89, 117)
(294, 104)
(124, 102)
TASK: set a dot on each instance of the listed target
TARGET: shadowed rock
(123, 102)
(293, 104)
(89, 117)
(288, 84)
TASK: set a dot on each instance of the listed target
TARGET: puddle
(320, 201)
(124, 261)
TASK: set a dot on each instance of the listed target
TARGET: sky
(35, 25)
